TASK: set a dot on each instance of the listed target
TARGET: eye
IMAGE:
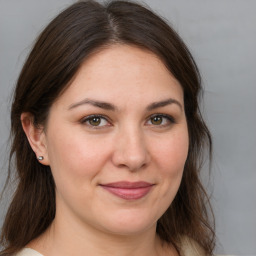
(95, 121)
(160, 120)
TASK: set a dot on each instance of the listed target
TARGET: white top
(31, 252)
(28, 252)
(188, 249)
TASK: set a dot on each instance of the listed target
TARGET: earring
(40, 158)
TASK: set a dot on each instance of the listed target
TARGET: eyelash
(170, 119)
(87, 119)
(90, 117)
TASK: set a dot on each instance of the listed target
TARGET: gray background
(222, 37)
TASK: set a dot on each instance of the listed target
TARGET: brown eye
(161, 120)
(94, 121)
(157, 120)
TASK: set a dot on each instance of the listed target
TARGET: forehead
(126, 72)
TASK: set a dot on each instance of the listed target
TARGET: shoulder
(28, 252)
(189, 247)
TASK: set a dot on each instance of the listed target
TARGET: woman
(107, 138)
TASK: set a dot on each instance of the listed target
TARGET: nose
(131, 150)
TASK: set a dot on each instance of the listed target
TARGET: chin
(130, 224)
(130, 230)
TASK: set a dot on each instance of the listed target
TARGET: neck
(68, 237)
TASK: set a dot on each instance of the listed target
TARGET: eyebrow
(163, 103)
(96, 103)
(109, 106)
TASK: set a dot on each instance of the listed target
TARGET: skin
(123, 144)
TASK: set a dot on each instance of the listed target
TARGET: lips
(128, 190)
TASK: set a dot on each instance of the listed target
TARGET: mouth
(128, 190)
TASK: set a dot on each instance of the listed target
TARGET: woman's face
(117, 142)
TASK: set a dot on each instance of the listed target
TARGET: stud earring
(40, 158)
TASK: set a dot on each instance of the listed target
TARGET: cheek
(74, 162)
(172, 153)
(170, 156)
(75, 149)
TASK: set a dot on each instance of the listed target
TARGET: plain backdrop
(221, 35)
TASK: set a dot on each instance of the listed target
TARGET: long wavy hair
(77, 32)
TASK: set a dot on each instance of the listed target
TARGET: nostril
(132, 160)
(130, 149)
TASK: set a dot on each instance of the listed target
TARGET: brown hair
(62, 47)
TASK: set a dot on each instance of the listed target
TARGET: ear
(36, 137)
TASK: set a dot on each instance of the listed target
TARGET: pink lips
(128, 190)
